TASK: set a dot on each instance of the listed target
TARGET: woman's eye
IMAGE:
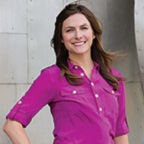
(84, 28)
(69, 30)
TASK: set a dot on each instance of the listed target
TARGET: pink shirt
(92, 113)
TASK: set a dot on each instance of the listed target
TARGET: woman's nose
(78, 34)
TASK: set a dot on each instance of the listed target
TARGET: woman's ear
(94, 35)
(62, 40)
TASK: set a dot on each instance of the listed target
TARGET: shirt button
(96, 95)
(74, 92)
(92, 84)
(100, 109)
(19, 102)
(113, 92)
(76, 67)
(82, 74)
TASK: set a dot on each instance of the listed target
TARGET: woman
(85, 93)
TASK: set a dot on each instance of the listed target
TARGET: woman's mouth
(79, 43)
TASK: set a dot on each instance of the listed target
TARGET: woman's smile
(81, 43)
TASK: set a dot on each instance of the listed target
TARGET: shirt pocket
(111, 91)
(73, 94)
(110, 97)
(111, 109)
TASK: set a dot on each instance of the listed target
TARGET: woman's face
(77, 35)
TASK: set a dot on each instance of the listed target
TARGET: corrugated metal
(135, 111)
(139, 35)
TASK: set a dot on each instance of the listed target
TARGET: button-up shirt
(90, 113)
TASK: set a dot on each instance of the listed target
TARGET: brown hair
(98, 54)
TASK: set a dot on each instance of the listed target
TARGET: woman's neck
(86, 63)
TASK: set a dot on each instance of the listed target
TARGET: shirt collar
(72, 66)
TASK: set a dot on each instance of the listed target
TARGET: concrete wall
(26, 28)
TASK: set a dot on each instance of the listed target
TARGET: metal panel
(13, 58)
(13, 16)
(139, 33)
(135, 112)
(7, 100)
(41, 128)
(41, 19)
(121, 36)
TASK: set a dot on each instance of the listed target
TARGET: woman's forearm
(121, 139)
(16, 132)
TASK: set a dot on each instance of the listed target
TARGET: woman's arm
(121, 139)
(16, 132)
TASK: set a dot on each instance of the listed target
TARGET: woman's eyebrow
(68, 27)
(85, 24)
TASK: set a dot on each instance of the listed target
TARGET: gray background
(26, 28)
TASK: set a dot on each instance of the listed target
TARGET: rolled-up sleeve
(122, 125)
(39, 94)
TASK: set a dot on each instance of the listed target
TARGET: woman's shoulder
(52, 70)
(116, 72)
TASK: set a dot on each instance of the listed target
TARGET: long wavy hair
(98, 54)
